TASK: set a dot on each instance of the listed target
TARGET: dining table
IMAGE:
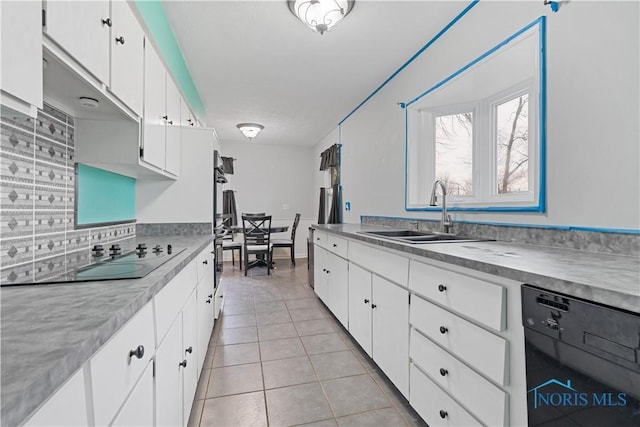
(272, 229)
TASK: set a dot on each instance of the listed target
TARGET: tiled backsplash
(617, 243)
(37, 180)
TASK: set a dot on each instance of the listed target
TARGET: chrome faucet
(445, 222)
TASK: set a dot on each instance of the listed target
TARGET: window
(479, 131)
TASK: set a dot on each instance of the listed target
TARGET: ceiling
(253, 61)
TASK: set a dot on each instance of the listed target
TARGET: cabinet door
(320, 276)
(172, 163)
(219, 302)
(338, 285)
(204, 310)
(82, 29)
(138, 409)
(169, 377)
(154, 108)
(127, 56)
(190, 352)
(360, 306)
(391, 331)
(67, 407)
(21, 38)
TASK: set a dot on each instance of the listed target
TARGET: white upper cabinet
(154, 108)
(186, 118)
(172, 163)
(82, 28)
(21, 71)
(127, 56)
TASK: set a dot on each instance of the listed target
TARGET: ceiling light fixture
(250, 130)
(320, 15)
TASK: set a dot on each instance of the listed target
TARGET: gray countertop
(608, 279)
(49, 331)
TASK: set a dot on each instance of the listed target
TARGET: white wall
(593, 130)
(190, 198)
(275, 179)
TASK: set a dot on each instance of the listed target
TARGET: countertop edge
(17, 410)
(572, 288)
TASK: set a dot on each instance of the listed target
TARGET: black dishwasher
(582, 361)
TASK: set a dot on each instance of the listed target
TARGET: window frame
(485, 196)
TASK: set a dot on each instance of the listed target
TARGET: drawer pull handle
(335, 246)
(205, 262)
(366, 301)
(107, 22)
(120, 40)
(443, 414)
(373, 306)
(184, 364)
(443, 372)
(189, 350)
(328, 272)
(209, 301)
(318, 239)
(138, 352)
(210, 296)
(442, 288)
(443, 330)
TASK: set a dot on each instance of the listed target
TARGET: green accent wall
(156, 20)
(104, 196)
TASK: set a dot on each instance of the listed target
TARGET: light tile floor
(278, 357)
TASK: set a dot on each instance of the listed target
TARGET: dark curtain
(229, 206)
(227, 165)
(329, 157)
(335, 214)
(321, 210)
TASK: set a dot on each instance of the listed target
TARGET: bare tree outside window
(454, 152)
(513, 145)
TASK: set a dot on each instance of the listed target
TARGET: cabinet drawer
(320, 238)
(391, 266)
(480, 348)
(434, 405)
(171, 298)
(477, 299)
(484, 399)
(337, 245)
(205, 263)
(114, 371)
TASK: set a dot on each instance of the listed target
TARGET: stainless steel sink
(418, 237)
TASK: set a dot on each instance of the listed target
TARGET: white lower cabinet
(68, 407)
(219, 300)
(118, 365)
(169, 370)
(138, 408)
(434, 405)
(205, 317)
(320, 274)
(360, 306)
(332, 283)
(390, 336)
(190, 353)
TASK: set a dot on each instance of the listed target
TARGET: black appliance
(582, 361)
(218, 228)
(114, 265)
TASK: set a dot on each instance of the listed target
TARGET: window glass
(454, 152)
(512, 139)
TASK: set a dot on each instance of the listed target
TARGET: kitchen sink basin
(418, 237)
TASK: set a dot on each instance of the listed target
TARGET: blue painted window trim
(506, 224)
(410, 60)
(541, 206)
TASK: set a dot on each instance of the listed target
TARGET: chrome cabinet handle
(183, 363)
(442, 288)
(120, 40)
(443, 372)
(107, 22)
(443, 414)
(366, 301)
(443, 330)
(189, 350)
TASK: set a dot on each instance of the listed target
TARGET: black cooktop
(114, 265)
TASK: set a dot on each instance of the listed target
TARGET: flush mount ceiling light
(250, 130)
(87, 102)
(320, 15)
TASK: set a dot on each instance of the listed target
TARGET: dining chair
(288, 243)
(257, 240)
(229, 243)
